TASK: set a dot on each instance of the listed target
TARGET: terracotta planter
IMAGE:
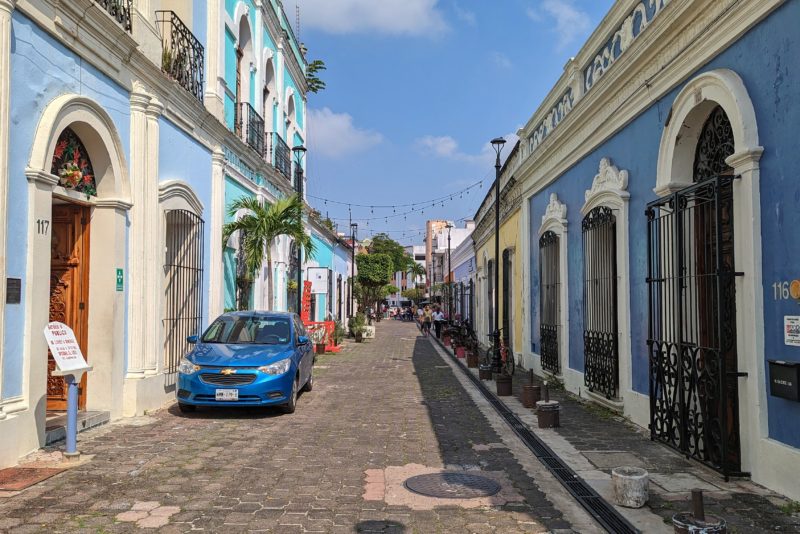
(460, 352)
(472, 360)
(359, 337)
(547, 414)
(446, 340)
(503, 385)
(319, 348)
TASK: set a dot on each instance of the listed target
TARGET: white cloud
(465, 15)
(501, 60)
(445, 146)
(570, 21)
(394, 17)
(333, 134)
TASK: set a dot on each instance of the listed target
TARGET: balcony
(120, 10)
(181, 53)
(279, 155)
(249, 126)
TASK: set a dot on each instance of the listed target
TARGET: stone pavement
(601, 440)
(380, 411)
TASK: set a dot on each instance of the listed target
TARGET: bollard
(696, 521)
(503, 382)
(530, 394)
(485, 371)
(630, 486)
(547, 411)
(472, 360)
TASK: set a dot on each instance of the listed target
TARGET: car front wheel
(290, 406)
(310, 382)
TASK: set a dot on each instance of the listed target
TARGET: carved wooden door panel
(69, 290)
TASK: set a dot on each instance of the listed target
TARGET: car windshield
(248, 329)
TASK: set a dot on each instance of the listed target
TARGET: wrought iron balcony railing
(250, 127)
(120, 10)
(279, 154)
(181, 53)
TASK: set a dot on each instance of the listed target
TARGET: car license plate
(227, 394)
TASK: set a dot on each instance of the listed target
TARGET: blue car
(247, 358)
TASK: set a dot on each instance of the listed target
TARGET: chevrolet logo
(227, 371)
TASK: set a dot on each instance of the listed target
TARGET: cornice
(41, 177)
(7, 5)
(673, 48)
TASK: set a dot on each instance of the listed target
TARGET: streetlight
(449, 275)
(353, 230)
(497, 144)
(299, 152)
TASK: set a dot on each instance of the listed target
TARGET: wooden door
(69, 290)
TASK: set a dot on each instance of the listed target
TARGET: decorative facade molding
(608, 182)
(555, 213)
(180, 190)
(632, 27)
(553, 119)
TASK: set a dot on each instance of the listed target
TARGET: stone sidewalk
(380, 412)
(597, 439)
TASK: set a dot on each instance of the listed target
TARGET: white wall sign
(64, 347)
(791, 330)
(318, 276)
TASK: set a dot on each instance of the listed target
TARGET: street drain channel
(452, 485)
(588, 498)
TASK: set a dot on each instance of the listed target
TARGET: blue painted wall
(768, 60)
(183, 158)
(323, 256)
(41, 70)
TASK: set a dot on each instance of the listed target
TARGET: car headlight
(185, 367)
(277, 368)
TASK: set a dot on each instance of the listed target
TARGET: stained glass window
(72, 165)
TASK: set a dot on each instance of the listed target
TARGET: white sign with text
(64, 347)
(791, 330)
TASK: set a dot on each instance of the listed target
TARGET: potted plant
(357, 327)
(318, 338)
(338, 333)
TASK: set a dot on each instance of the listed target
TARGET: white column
(6, 7)
(137, 266)
(217, 219)
(215, 49)
(153, 243)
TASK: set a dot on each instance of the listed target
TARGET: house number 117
(42, 226)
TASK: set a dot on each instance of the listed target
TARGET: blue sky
(417, 88)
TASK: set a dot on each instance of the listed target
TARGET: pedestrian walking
(438, 321)
(427, 319)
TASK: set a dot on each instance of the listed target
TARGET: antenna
(297, 21)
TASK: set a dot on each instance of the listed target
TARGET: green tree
(315, 84)
(374, 273)
(416, 271)
(383, 244)
(262, 223)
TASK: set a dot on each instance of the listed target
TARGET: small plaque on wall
(13, 290)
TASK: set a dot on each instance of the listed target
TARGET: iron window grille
(183, 284)
(600, 329)
(182, 55)
(120, 10)
(250, 127)
(507, 298)
(549, 301)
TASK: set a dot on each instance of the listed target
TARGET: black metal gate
(549, 301)
(692, 309)
(183, 284)
(600, 338)
(507, 299)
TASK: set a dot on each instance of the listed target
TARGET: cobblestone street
(380, 412)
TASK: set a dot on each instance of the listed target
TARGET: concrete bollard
(531, 394)
(485, 372)
(472, 360)
(696, 521)
(630, 486)
(503, 382)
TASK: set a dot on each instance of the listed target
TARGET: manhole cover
(452, 485)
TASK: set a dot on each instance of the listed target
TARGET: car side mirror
(191, 339)
(302, 340)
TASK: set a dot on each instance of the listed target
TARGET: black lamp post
(353, 230)
(497, 144)
(449, 274)
(299, 152)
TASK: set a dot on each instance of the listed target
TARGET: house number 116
(786, 290)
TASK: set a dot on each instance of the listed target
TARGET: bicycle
(507, 363)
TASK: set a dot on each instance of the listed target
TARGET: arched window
(72, 165)
(553, 308)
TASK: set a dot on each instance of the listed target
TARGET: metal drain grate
(600, 510)
(452, 485)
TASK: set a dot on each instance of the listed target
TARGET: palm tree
(416, 271)
(260, 226)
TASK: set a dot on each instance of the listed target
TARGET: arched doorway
(692, 317)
